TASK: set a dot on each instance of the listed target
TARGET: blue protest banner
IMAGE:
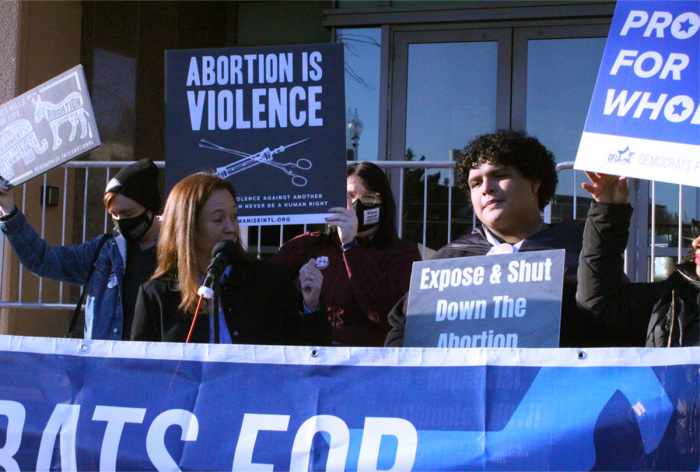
(100, 405)
(269, 119)
(644, 118)
(505, 300)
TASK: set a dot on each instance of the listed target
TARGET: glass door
(449, 86)
(554, 74)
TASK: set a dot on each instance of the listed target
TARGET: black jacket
(261, 306)
(638, 313)
(577, 328)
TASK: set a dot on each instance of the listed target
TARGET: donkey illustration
(18, 141)
(69, 110)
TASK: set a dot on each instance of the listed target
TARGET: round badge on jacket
(322, 262)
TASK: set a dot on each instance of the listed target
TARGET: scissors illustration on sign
(262, 157)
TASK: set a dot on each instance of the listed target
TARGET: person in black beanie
(122, 261)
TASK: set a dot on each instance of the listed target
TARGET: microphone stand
(194, 318)
(222, 252)
(215, 311)
(208, 293)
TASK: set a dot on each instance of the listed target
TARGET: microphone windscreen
(227, 248)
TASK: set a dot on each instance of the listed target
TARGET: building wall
(269, 23)
(9, 31)
(122, 48)
(46, 43)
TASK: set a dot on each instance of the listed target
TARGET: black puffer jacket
(577, 327)
(639, 313)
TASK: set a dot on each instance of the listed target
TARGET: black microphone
(223, 253)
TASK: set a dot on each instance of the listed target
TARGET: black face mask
(367, 215)
(134, 229)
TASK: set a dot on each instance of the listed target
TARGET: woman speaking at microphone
(258, 303)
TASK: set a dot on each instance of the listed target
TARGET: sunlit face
(696, 246)
(357, 191)
(121, 207)
(217, 220)
(502, 197)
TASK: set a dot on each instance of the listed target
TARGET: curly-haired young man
(510, 178)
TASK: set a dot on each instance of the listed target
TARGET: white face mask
(367, 215)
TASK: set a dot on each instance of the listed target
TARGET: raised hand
(7, 200)
(607, 188)
(345, 220)
(311, 280)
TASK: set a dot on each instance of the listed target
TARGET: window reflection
(362, 61)
(113, 90)
(668, 212)
(451, 96)
(451, 99)
(561, 76)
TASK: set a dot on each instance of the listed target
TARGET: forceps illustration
(262, 157)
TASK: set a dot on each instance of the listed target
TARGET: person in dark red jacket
(366, 267)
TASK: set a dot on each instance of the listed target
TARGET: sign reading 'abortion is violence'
(270, 120)
(644, 118)
(509, 300)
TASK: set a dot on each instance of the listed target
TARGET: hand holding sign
(645, 110)
(7, 201)
(607, 188)
(345, 220)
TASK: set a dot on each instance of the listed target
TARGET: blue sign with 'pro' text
(644, 118)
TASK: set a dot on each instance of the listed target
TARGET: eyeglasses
(368, 199)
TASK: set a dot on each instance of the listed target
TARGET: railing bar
(652, 271)
(259, 239)
(401, 176)
(449, 207)
(103, 164)
(680, 222)
(24, 210)
(425, 209)
(43, 230)
(36, 305)
(63, 222)
(85, 192)
(415, 164)
(106, 213)
(281, 235)
(575, 195)
(383, 164)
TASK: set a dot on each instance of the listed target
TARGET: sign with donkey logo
(644, 118)
(46, 126)
(269, 119)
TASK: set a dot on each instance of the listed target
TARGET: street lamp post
(355, 130)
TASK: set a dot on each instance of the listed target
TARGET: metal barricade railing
(97, 174)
